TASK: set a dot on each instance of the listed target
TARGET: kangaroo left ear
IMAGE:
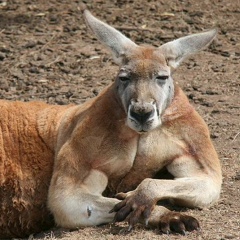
(176, 51)
(118, 43)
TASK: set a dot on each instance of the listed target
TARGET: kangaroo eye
(124, 78)
(162, 78)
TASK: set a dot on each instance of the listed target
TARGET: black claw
(118, 206)
(135, 216)
(164, 227)
(130, 228)
(146, 222)
(147, 213)
(124, 231)
(184, 233)
(177, 226)
(191, 223)
(122, 213)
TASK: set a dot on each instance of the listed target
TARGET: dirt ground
(48, 54)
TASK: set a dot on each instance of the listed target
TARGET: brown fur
(26, 159)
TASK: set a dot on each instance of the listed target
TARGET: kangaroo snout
(143, 116)
(141, 112)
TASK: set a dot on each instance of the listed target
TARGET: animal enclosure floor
(47, 53)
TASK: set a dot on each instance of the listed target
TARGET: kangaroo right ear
(109, 36)
(176, 51)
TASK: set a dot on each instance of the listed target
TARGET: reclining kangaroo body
(72, 159)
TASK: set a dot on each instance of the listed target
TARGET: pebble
(2, 56)
(33, 70)
(30, 44)
(4, 84)
(237, 177)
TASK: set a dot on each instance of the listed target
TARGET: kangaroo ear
(110, 37)
(177, 50)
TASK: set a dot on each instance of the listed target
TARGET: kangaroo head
(144, 82)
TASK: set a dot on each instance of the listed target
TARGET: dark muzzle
(141, 113)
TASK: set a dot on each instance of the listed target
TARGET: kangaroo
(105, 160)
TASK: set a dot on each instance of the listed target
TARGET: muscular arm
(81, 203)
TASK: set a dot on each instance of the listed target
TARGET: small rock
(87, 51)
(230, 236)
(42, 81)
(2, 56)
(53, 19)
(191, 96)
(225, 54)
(33, 70)
(215, 135)
(237, 177)
(207, 104)
(215, 111)
(211, 92)
(30, 44)
(17, 73)
(4, 84)
(4, 49)
(64, 89)
(95, 92)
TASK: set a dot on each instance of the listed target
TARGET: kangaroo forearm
(188, 191)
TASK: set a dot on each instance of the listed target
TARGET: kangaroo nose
(141, 116)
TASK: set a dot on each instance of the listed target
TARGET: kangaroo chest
(153, 152)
